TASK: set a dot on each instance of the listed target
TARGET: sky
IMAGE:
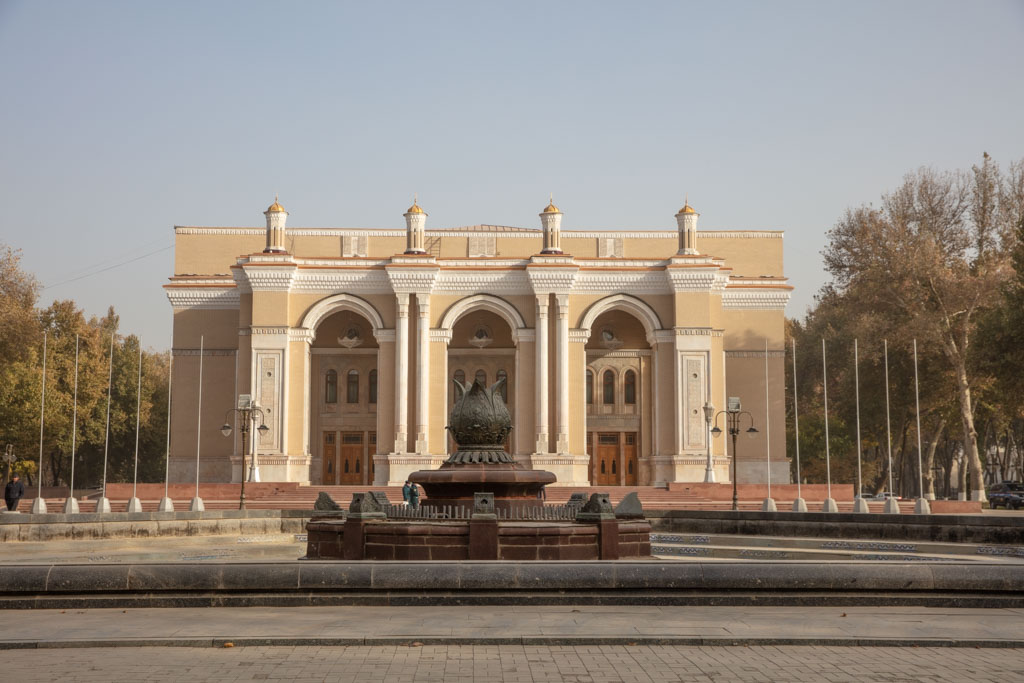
(121, 120)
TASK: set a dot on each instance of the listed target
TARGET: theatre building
(610, 344)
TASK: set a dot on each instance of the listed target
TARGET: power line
(103, 270)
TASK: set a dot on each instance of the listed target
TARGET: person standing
(414, 495)
(405, 492)
(13, 493)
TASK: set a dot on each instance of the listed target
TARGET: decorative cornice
(755, 354)
(698, 332)
(524, 334)
(269, 329)
(620, 353)
(497, 231)
(552, 274)
(348, 280)
(270, 278)
(475, 281)
(412, 276)
(301, 334)
(661, 337)
(755, 299)
(440, 334)
(692, 280)
(382, 336)
(206, 352)
(202, 297)
(634, 281)
(577, 336)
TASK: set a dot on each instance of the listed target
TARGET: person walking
(414, 495)
(13, 493)
(405, 491)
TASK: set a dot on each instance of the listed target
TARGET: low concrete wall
(27, 527)
(511, 583)
(810, 492)
(943, 528)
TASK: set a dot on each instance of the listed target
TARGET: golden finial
(551, 208)
(415, 208)
(686, 206)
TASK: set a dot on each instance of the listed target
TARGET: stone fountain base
(454, 485)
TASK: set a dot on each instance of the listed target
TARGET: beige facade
(610, 342)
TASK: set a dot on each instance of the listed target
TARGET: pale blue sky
(122, 119)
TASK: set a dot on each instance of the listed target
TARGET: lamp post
(734, 415)
(709, 414)
(248, 412)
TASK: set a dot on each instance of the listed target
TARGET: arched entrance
(343, 399)
(618, 391)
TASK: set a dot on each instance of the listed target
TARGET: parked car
(1008, 494)
(885, 495)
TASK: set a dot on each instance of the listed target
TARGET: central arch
(341, 302)
(622, 302)
(487, 302)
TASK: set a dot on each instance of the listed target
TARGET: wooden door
(607, 458)
(629, 462)
(330, 460)
(351, 458)
(371, 468)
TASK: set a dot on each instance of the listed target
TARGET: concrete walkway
(554, 625)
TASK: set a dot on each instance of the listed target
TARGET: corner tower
(686, 219)
(276, 219)
(415, 229)
(551, 222)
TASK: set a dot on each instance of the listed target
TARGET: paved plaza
(453, 663)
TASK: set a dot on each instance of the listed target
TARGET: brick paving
(518, 663)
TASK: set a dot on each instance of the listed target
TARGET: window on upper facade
(460, 376)
(353, 245)
(609, 247)
(608, 384)
(502, 375)
(630, 388)
(590, 388)
(373, 385)
(480, 377)
(331, 387)
(482, 245)
(353, 386)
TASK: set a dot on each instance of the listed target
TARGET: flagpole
(799, 505)
(859, 504)
(39, 505)
(829, 504)
(197, 502)
(71, 505)
(103, 504)
(890, 503)
(166, 504)
(135, 505)
(921, 507)
(769, 503)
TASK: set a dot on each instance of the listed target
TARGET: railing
(515, 513)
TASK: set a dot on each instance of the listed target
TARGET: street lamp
(734, 413)
(247, 411)
(709, 415)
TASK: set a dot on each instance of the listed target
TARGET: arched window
(630, 388)
(608, 384)
(504, 387)
(613, 467)
(590, 388)
(353, 386)
(331, 387)
(373, 385)
(460, 376)
(481, 377)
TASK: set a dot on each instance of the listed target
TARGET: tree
(928, 261)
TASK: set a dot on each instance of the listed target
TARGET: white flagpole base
(103, 505)
(71, 506)
(860, 505)
(166, 505)
(769, 505)
(892, 507)
(829, 505)
(921, 507)
(39, 506)
(134, 505)
(197, 505)
(799, 505)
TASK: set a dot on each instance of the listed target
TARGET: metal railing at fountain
(526, 513)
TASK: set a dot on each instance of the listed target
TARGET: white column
(562, 369)
(541, 373)
(402, 374)
(423, 374)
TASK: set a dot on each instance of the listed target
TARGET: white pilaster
(423, 374)
(541, 384)
(402, 374)
(562, 369)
